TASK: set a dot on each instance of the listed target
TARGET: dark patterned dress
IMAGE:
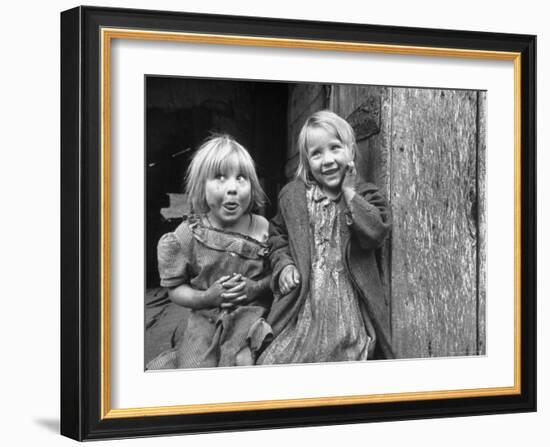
(197, 254)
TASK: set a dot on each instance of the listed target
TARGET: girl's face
(228, 196)
(328, 159)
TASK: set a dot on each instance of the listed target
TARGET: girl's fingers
(226, 305)
(289, 282)
(223, 278)
(233, 281)
(234, 299)
(296, 276)
(229, 296)
(240, 286)
(239, 299)
(288, 285)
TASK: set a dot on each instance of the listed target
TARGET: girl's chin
(331, 185)
(225, 220)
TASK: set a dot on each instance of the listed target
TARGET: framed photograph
(273, 223)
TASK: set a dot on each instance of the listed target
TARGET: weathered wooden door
(425, 148)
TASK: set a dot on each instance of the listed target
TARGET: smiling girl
(215, 262)
(325, 278)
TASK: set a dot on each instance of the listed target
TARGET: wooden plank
(482, 227)
(372, 152)
(434, 241)
(304, 99)
(373, 157)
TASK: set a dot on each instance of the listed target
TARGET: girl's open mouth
(231, 206)
(330, 171)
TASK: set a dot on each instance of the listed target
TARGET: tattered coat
(367, 224)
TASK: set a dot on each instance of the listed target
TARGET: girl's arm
(259, 287)
(370, 218)
(279, 255)
(174, 259)
(368, 212)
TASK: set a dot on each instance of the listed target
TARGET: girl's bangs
(229, 158)
(329, 128)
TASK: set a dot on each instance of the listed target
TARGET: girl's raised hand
(289, 279)
(348, 184)
(350, 177)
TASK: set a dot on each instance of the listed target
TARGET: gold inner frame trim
(107, 35)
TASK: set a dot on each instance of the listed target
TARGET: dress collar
(318, 195)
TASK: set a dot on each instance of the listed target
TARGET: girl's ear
(349, 153)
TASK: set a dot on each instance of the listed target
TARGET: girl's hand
(350, 177)
(239, 290)
(289, 279)
(213, 295)
(348, 184)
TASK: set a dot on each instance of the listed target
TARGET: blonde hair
(215, 155)
(334, 125)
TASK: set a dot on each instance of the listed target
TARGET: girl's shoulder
(292, 188)
(181, 237)
(260, 228)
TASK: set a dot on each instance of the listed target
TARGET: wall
(30, 234)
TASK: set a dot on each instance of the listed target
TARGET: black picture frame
(83, 406)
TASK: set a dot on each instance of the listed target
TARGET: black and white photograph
(272, 222)
(292, 223)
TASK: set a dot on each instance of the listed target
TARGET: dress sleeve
(370, 216)
(279, 255)
(173, 261)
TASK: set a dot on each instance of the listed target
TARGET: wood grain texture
(304, 99)
(434, 244)
(482, 219)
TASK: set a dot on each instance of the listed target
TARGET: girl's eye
(241, 177)
(314, 155)
(219, 176)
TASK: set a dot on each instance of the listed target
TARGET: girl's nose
(328, 159)
(231, 186)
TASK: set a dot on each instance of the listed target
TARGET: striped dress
(198, 254)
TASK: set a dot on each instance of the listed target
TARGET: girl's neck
(242, 225)
(331, 194)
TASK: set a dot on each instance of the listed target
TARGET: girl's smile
(328, 159)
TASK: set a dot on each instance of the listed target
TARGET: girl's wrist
(205, 299)
(349, 193)
(253, 289)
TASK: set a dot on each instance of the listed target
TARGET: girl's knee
(244, 357)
